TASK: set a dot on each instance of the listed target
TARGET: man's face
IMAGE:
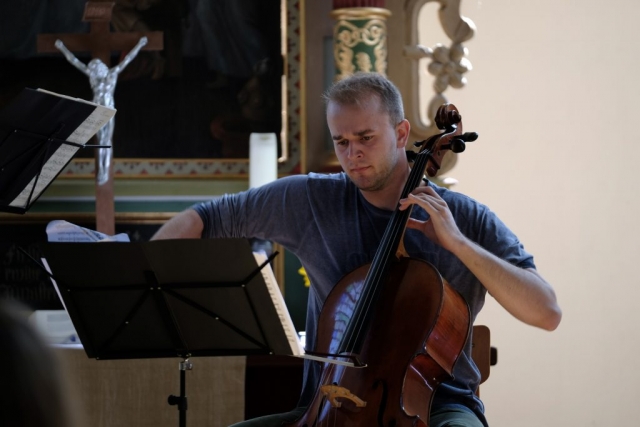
(365, 142)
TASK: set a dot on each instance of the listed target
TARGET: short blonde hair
(359, 87)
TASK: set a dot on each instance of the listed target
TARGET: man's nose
(354, 151)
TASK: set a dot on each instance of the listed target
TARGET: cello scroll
(449, 120)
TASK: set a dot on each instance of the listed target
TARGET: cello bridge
(334, 392)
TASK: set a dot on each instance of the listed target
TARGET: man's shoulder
(461, 204)
(313, 188)
(339, 177)
(316, 177)
(453, 196)
(314, 180)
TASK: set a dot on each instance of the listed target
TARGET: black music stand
(168, 298)
(34, 127)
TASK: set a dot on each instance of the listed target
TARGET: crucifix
(101, 42)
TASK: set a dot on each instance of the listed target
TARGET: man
(333, 223)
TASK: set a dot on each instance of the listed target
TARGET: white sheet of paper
(64, 231)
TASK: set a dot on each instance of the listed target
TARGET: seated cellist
(334, 222)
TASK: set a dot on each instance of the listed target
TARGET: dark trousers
(445, 417)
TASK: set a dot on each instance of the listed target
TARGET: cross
(101, 42)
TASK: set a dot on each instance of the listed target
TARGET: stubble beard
(378, 180)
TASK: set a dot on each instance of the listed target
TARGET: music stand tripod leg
(181, 400)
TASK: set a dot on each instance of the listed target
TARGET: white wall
(554, 96)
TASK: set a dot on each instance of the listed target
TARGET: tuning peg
(469, 136)
(456, 145)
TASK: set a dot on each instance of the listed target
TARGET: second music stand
(37, 130)
(170, 298)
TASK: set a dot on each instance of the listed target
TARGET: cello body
(417, 334)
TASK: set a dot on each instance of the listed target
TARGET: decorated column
(359, 37)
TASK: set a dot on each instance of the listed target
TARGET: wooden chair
(262, 372)
(482, 353)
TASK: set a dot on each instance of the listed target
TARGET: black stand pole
(181, 401)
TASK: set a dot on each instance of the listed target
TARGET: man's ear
(402, 133)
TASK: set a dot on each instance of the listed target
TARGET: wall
(553, 95)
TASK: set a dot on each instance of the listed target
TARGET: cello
(391, 331)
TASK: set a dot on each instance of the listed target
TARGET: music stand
(40, 132)
(168, 298)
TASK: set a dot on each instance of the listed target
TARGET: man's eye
(367, 138)
(343, 142)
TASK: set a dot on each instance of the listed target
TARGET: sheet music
(281, 307)
(64, 231)
(92, 124)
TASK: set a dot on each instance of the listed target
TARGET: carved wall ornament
(448, 64)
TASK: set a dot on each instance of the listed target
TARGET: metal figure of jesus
(103, 83)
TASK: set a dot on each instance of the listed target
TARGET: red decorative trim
(339, 4)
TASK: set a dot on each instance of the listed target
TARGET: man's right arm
(185, 225)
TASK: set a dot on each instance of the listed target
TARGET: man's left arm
(522, 292)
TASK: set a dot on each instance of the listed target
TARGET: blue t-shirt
(326, 222)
